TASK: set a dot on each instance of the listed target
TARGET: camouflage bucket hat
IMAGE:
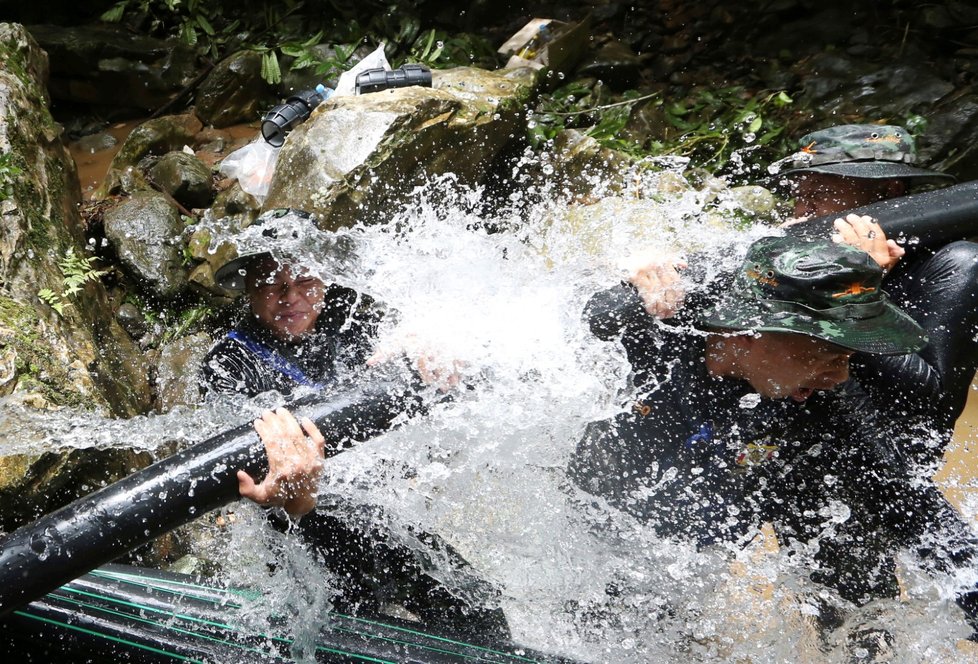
(875, 152)
(231, 275)
(820, 289)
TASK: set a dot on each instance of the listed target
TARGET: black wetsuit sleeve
(615, 312)
(230, 368)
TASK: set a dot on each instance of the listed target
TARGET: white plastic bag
(253, 166)
(347, 83)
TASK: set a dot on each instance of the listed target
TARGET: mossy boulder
(73, 354)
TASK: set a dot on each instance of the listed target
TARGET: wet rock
(840, 86)
(233, 211)
(78, 356)
(153, 137)
(35, 484)
(584, 167)
(615, 64)
(108, 66)
(950, 143)
(96, 142)
(184, 177)
(146, 232)
(177, 372)
(131, 320)
(233, 91)
(236, 202)
(358, 156)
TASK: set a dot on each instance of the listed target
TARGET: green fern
(76, 271)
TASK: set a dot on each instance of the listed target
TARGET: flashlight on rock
(282, 119)
(375, 80)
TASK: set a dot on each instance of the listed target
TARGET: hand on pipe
(295, 463)
(864, 233)
(656, 277)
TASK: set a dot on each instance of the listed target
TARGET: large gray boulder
(75, 355)
(358, 156)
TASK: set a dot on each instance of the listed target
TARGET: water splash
(499, 298)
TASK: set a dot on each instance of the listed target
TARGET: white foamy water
(485, 471)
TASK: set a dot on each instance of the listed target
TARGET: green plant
(76, 272)
(192, 20)
(187, 321)
(9, 172)
(714, 123)
(579, 105)
(438, 49)
(708, 126)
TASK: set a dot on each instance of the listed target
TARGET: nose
(289, 294)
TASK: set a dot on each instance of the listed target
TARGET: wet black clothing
(372, 569)
(928, 390)
(705, 459)
(250, 360)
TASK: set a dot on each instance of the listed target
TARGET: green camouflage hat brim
(880, 328)
(875, 170)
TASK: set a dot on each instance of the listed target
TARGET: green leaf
(189, 33)
(270, 70)
(755, 124)
(205, 25)
(115, 14)
(293, 50)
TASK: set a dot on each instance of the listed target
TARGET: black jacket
(249, 360)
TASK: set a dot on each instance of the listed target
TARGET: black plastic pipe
(94, 530)
(935, 218)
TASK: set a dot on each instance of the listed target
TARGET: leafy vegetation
(9, 172)
(76, 271)
(709, 126)
(290, 33)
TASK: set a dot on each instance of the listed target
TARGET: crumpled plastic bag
(347, 83)
(253, 166)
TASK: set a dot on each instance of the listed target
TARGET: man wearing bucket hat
(735, 395)
(298, 332)
(849, 166)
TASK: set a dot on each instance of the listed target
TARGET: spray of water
(499, 301)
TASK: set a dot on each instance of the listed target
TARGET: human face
(285, 304)
(780, 365)
(819, 194)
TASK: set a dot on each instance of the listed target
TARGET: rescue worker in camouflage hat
(839, 169)
(916, 398)
(848, 166)
(741, 412)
